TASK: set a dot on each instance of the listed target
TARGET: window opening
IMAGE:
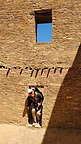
(43, 21)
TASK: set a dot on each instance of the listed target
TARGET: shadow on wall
(67, 109)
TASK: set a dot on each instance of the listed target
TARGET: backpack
(38, 92)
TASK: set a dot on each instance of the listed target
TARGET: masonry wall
(24, 62)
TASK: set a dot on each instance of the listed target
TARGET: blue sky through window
(44, 32)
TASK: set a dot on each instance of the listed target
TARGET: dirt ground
(11, 134)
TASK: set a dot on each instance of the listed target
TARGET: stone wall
(24, 62)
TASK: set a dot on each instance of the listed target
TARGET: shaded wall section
(67, 109)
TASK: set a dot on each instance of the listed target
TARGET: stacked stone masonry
(54, 65)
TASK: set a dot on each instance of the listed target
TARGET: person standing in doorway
(39, 98)
(30, 108)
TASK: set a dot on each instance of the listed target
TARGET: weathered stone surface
(19, 51)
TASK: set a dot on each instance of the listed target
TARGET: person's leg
(40, 121)
(39, 116)
(34, 114)
(30, 118)
(37, 124)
